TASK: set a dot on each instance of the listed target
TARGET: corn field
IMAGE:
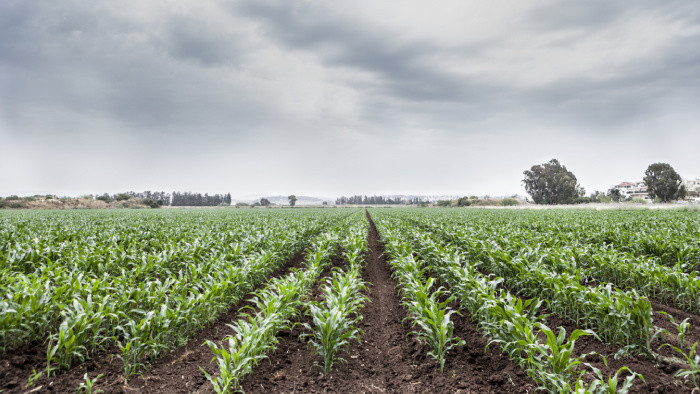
(312, 300)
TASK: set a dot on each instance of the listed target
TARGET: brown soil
(178, 371)
(658, 375)
(389, 359)
(16, 366)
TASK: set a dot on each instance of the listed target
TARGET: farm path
(389, 360)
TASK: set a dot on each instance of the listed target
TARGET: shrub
(509, 202)
(151, 203)
(122, 197)
(463, 202)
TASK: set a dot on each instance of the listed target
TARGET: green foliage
(463, 202)
(551, 183)
(292, 200)
(509, 202)
(88, 385)
(255, 335)
(140, 281)
(444, 203)
(335, 319)
(432, 317)
(152, 204)
(615, 194)
(122, 197)
(426, 312)
(455, 245)
(663, 181)
(105, 197)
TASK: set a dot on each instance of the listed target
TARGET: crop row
(559, 253)
(256, 334)
(334, 320)
(510, 322)
(147, 308)
(620, 317)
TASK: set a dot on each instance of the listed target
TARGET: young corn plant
(245, 350)
(331, 332)
(611, 385)
(508, 320)
(558, 353)
(255, 335)
(335, 320)
(80, 333)
(140, 341)
(689, 354)
(433, 320)
(431, 316)
(87, 386)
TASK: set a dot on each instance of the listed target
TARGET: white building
(692, 184)
(632, 190)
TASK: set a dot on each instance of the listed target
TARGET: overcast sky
(343, 97)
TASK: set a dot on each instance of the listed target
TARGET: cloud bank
(334, 98)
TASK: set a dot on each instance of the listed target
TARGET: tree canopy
(663, 182)
(292, 200)
(552, 183)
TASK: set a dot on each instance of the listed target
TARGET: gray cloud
(341, 90)
(405, 70)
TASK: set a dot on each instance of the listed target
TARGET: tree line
(152, 199)
(177, 199)
(377, 200)
(199, 200)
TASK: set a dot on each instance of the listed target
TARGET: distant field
(388, 300)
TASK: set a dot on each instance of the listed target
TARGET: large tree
(663, 182)
(292, 200)
(552, 183)
(615, 194)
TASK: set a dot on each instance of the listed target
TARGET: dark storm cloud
(152, 76)
(403, 68)
(262, 84)
(407, 71)
(640, 89)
